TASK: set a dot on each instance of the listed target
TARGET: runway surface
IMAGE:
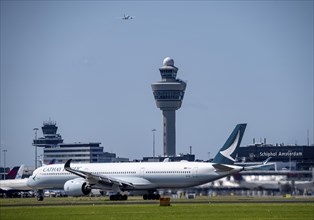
(258, 201)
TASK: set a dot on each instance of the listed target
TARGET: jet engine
(77, 187)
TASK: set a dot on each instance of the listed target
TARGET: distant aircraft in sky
(127, 17)
(80, 179)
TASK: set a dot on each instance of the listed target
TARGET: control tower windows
(168, 95)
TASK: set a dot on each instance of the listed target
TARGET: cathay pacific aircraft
(80, 179)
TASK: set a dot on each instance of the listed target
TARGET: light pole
(4, 151)
(35, 144)
(154, 143)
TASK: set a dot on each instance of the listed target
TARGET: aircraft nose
(29, 181)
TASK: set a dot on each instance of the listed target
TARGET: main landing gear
(151, 196)
(118, 197)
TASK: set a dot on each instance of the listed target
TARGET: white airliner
(14, 185)
(80, 179)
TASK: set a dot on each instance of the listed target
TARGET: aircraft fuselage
(148, 175)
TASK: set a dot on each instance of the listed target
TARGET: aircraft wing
(98, 179)
(5, 188)
(265, 163)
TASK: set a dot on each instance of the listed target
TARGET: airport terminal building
(302, 156)
(79, 153)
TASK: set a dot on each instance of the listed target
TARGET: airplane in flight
(80, 179)
(127, 17)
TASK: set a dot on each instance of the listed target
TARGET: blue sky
(80, 64)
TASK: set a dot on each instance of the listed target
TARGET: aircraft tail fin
(12, 173)
(20, 172)
(228, 152)
(53, 161)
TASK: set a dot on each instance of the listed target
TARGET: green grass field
(178, 211)
(102, 208)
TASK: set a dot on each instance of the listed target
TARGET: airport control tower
(169, 94)
(51, 138)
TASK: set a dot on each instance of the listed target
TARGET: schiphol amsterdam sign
(289, 153)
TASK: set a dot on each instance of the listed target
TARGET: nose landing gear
(40, 195)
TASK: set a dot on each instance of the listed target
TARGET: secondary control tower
(169, 94)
